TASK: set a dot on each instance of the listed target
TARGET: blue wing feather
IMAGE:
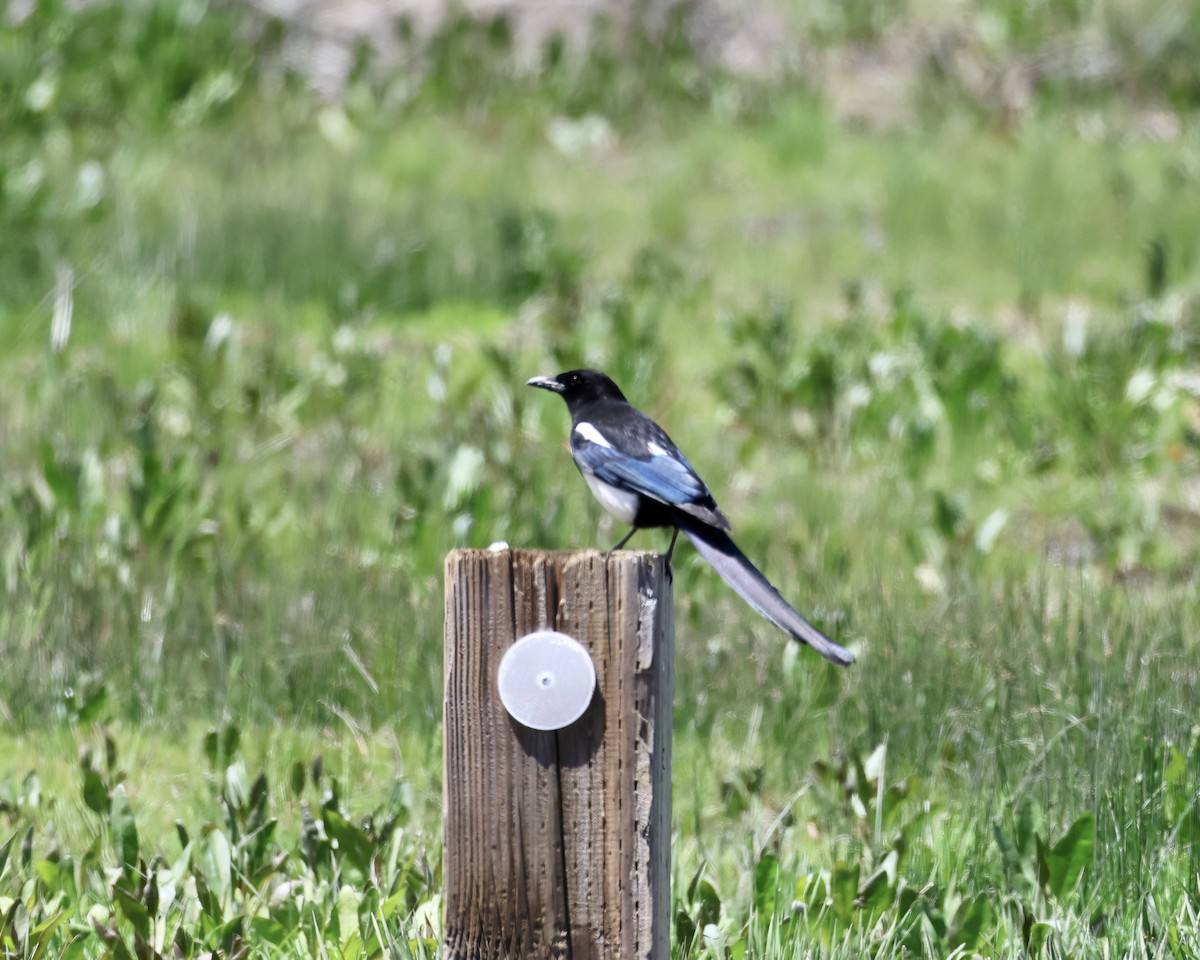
(668, 477)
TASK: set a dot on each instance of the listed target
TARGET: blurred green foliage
(263, 358)
(234, 885)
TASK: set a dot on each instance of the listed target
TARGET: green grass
(957, 420)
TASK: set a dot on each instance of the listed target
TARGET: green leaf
(237, 786)
(947, 514)
(1020, 854)
(810, 891)
(110, 753)
(463, 476)
(74, 950)
(733, 796)
(133, 910)
(1029, 828)
(49, 873)
(220, 745)
(766, 884)
(150, 896)
(258, 848)
(111, 939)
(4, 853)
(1065, 864)
(973, 918)
(350, 842)
(212, 747)
(989, 530)
(895, 797)
(92, 708)
(231, 739)
(61, 478)
(393, 905)
(287, 914)
(685, 928)
(260, 794)
(31, 790)
(42, 936)
(346, 909)
(400, 801)
(266, 930)
(844, 888)
(215, 867)
(297, 779)
(1039, 933)
(706, 902)
(862, 783)
(923, 912)
(124, 829)
(95, 794)
(1177, 797)
(877, 893)
(1008, 852)
(1176, 767)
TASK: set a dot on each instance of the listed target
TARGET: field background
(915, 285)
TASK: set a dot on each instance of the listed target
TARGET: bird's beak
(546, 383)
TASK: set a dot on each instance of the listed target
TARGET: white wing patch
(588, 432)
(655, 449)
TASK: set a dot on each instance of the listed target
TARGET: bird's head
(579, 386)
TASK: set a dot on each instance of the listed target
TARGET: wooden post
(557, 843)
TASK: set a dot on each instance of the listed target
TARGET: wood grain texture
(557, 844)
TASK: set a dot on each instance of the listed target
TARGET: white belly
(620, 503)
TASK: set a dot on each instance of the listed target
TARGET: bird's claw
(667, 559)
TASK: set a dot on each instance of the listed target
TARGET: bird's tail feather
(735, 568)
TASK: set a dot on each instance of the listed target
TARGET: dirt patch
(878, 83)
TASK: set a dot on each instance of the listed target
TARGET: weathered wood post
(557, 843)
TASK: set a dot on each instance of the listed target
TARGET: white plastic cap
(546, 680)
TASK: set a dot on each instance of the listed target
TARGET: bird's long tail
(735, 568)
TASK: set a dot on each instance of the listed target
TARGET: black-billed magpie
(643, 480)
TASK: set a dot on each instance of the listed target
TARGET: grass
(953, 376)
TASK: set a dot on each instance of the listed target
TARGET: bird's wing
(658, 471)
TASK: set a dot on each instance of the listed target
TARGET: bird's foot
(670, 552)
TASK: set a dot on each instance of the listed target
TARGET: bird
(640, 477)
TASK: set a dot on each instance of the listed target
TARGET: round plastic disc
(546, 680)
